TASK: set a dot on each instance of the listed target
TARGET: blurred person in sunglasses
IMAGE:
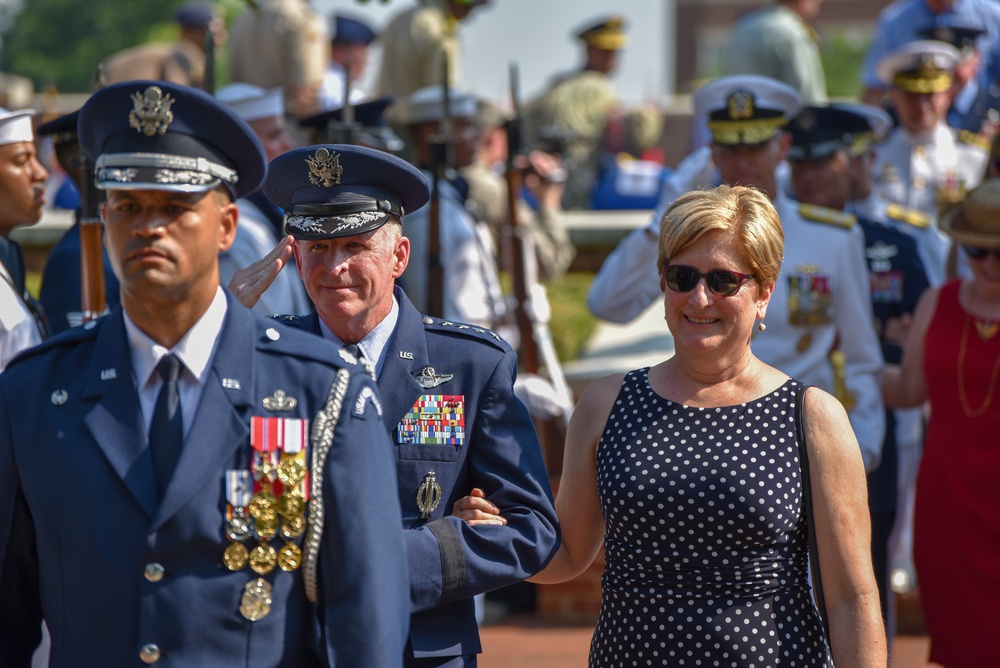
(820, 329)
(951, 359)
(689, 473)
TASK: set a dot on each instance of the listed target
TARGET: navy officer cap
(369, 119)
(339, 190)
(960, 37)
(346, 30)
(62, 130)
(155, 135)
(194, 15)
(818, 132)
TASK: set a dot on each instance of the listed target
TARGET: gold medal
(267, 528)
(291, 505)
(235, 557)
(291, 470)
(289, 557)
(263, 559)
(262, 505)
(256, 601)
(293, 527)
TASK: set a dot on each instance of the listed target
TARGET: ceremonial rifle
(440, 158)
(92, 300)
(536, 347)
(208, 79)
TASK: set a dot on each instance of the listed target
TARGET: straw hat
(976, 220)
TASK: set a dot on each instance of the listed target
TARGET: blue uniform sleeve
(20, 605)
(363, 583)
(457, 561)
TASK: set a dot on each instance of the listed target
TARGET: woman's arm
(577, 504)
(843, 534)
(904, 386)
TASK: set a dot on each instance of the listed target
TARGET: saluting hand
(249, 283)
(475, 509)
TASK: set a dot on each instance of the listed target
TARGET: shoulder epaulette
(472, 331)
(974, 138)
(296, 321)
(821, 214)
(908, 216)
(69, 337)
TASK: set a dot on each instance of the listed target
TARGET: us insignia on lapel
(435, 419)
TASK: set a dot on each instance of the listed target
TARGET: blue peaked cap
(155, 135)
(339, 190)
(351, 31)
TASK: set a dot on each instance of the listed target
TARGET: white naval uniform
(331, 90)
(932, 244)
(627, 282)
(255, 238)
(915, 171)
(18, 329)
(472, 292)
(832, 258)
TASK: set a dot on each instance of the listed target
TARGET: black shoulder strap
(817, 581)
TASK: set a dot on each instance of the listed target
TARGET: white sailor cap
(252, 103)
(15, 126)
(746, 108)
(427, 105)
(924, 66)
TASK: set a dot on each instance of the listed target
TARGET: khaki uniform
(414, 47)
(280, 43)
(181, 62)
(577, 105)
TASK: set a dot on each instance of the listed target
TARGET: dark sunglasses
(681, 278)
(976, 253)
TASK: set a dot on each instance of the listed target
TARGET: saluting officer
(447, 393)
(822, 158)
(924, 164)
(184, 481)
(819, 322)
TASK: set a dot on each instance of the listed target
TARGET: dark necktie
(11, 257)
(355, 350)
(166, 431)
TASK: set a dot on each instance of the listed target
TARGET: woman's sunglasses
(682, 278)
(976, 253)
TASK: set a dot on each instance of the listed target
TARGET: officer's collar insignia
(151, 113)
(740, 104)
(324, 168)
(279, 402)
(109, 374)
(59, 397)
(428, 379)
(230, 383)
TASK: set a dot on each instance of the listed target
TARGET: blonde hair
(744, 212)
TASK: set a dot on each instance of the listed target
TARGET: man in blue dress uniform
(184, 481)
(447, 391)
(825, 144)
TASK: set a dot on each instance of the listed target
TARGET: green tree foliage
(60, 42)
(842, 55)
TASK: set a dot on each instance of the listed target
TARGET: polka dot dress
(706, 551)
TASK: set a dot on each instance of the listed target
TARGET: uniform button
(154, 572)
(149, 653)
(920, 151)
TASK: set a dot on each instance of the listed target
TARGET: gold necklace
(986, 328)
(961, 376)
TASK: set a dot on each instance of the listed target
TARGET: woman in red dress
(952, 359)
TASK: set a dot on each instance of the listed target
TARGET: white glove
(541, 397)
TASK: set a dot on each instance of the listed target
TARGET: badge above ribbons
(434, 419)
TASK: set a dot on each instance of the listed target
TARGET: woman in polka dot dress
(688, 472)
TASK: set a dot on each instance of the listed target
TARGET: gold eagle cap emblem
(741, 105)
(151, 113)
(324, 168)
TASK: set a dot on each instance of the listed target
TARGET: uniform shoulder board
(460, 328)
(908, 216)
(974, 139)
(296, 321)
(69, 337)
(821, 214)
